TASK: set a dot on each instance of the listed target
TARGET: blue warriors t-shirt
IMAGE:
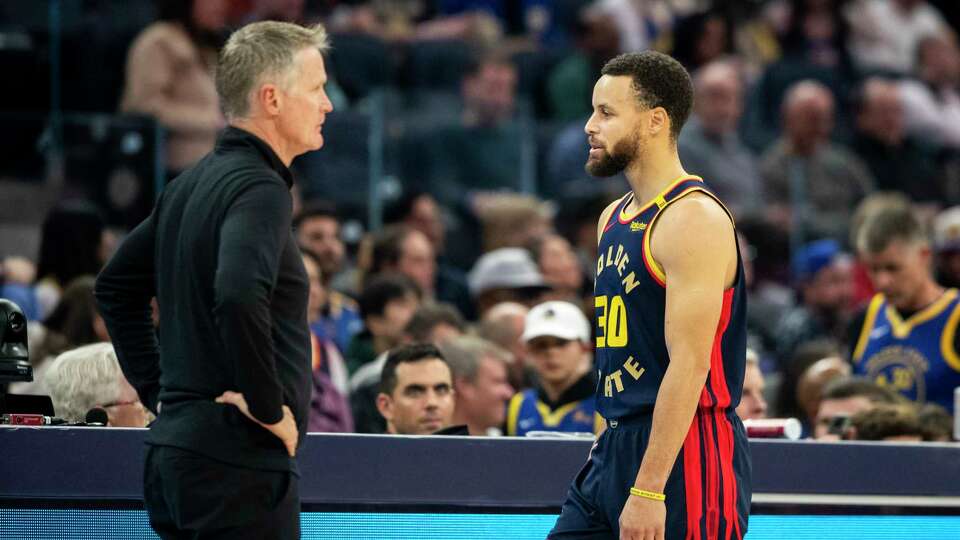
(630, 300)
(574, 412)
(915, 356)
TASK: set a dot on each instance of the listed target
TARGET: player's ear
(659, 122)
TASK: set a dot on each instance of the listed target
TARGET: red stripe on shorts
(693, 485)
(725, 435)
(713, 477)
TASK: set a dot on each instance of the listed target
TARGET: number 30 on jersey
(611, 320)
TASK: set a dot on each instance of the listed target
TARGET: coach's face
(614, 129)
(305, 104)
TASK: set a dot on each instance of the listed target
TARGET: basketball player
(670, 333)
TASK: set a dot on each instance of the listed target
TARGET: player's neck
(650, 174)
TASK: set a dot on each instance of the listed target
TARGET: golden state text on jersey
(630, 303)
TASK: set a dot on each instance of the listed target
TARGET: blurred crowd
(831, 128)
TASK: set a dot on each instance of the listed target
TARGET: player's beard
(624, 152)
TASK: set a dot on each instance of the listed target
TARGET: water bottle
(773, 428)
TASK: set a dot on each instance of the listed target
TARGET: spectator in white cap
(505, 275)
(946, 243)
(557, 336)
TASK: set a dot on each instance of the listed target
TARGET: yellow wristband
(648, 494)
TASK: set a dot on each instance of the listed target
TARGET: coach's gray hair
(463, 354)
(83, 378)
(258, 51)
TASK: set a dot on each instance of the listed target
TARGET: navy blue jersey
(630, 299)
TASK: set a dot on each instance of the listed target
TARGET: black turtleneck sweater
(219, 255)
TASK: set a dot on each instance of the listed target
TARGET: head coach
(228, 374)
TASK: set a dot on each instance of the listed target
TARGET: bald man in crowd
(503, 325)
(898, 161)
(805, 170)
(710, 143)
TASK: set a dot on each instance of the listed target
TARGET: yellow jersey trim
(553, 418)
(947, 339)
(652, 264)
(902, 328)
(513, 412)
(614, 213)
(868, 321)
(658, 200)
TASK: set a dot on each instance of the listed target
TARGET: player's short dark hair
(429, 316)
(414, 352)
(886, 225)
(848, 387)
(316, 209)
(659, 81)
(383, 289)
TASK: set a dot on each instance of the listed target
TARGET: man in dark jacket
(229, 377)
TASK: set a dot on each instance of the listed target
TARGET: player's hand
(642, 519)
(285, 429)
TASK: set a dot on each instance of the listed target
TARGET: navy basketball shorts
(708, 491)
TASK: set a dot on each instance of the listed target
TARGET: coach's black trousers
(189, 496)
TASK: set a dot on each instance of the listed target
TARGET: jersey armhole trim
(868, 321)
(608, 224)
(653, 267)
(947, 339)
(513, 412)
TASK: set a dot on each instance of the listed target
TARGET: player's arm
(123, 292)
(697, 256)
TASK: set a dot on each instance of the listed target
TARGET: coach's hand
(285, 429)
(642, 519)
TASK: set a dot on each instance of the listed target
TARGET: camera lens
(16, 322)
